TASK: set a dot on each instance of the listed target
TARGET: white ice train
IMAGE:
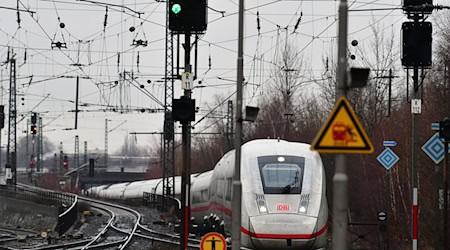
(283, 195)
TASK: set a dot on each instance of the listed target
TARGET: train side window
(220, 188)
(204, 195)
(212, 191)
(195, 198)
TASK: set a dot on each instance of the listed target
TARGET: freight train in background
(283, 195)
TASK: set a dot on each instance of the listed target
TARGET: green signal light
(176, 8)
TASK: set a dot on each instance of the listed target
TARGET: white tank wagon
(136, 189)
(283, 195)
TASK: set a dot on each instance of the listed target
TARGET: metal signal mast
(168, 135)
(11, 158)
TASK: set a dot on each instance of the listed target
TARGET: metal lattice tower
(76, 155)
(230, 125)
(106, 143)
(169, 147)
(55, 162)
(28, 143)
(39, 146)
(61, 155)
(85, 152)
(12, 132)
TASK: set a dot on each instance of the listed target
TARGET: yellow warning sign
(213, 241)
(342, 133)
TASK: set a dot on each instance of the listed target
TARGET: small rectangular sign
(416, 106)
(389, 143)
(187, 79)
(435, 126)
(282, 207)
(8, 173)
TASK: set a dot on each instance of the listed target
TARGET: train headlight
(303, 205)
(262, 206)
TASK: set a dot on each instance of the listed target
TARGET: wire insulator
(137, 62)
(298, 22)
(118, 61)
(106, 19)
(209, 61)
(258, 26)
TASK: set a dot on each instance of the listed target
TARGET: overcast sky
(100, 54)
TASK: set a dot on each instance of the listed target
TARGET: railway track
(165, 238)
(120, 228)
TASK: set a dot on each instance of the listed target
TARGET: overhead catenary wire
(105, 63)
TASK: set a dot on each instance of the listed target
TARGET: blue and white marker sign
(389, 143)
(434, 148)
(435, 126)
(388, 158)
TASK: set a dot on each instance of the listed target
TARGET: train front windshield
(281, 174)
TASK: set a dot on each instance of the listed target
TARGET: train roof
(277, 147)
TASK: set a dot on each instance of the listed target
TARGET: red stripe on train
(285, 236)
(212, 205)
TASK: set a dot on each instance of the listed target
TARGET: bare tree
(23, 160)
(130, 148)
(380, 55)
(287, 76)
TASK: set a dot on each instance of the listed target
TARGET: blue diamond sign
(434, 148)
(388, 158)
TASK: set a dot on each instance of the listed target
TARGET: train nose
(284, 231)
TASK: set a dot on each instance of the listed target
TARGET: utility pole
(445, 182)
(340, 178)
(2, 125)
(236, 216)
(76, 102)
(444, 135)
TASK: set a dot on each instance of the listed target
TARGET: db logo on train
(282, 207)
(213, 241)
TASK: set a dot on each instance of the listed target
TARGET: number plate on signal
(282, 207)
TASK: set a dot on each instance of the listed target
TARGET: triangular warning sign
(342, 133)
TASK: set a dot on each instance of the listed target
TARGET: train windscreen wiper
(287, 189)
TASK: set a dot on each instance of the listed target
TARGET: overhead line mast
(11, 159)
(168, 136)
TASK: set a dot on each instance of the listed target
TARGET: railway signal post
(340, 178)
(444, 133)
(416, 53)
(343, 134)
(237, 184)
(186, 17)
